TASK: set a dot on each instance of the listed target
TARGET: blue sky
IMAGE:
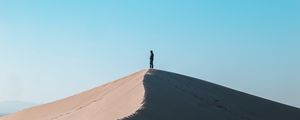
(51, 49)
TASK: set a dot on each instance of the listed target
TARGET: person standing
(151, 59)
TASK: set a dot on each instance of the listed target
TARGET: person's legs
(151, 64)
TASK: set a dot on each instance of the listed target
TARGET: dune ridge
(171, 96)
(160, 95)
(111, 101)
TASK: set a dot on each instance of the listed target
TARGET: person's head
(151, 51)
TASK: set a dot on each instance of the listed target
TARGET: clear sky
(50, 49)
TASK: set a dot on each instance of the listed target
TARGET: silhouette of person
(151, 59)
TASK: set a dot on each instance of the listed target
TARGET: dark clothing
(151, 60)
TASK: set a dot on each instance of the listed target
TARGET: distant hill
(8, 107)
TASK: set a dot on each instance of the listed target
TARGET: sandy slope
(160, 95)
(171, 96)
(111, 101)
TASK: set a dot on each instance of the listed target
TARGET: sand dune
(111, 101)
(160, 95)
(170, 96)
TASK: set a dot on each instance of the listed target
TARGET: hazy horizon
(53, 49)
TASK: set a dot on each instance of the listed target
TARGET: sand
(170, 96)
(160, 95)
(111, 101)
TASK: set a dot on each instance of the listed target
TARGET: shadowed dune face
(171, 96)
(159, 95)
(111, 101)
